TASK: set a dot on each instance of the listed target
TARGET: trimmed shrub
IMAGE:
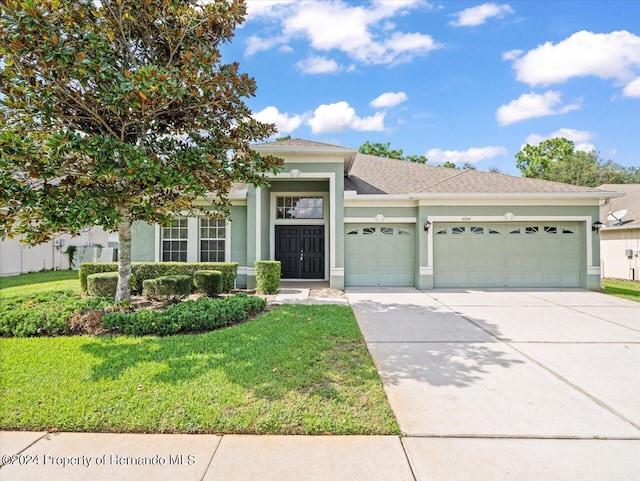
(209, 282)
(102, 285)
(88, 268)
(267, 276)
(149, 289)
(45, 313)
(141, 271)
(188, 316)
(173, 287)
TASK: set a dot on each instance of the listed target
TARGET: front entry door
(300, 249)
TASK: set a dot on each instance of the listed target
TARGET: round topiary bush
(102, 285)
(268, 276)
(209, 282)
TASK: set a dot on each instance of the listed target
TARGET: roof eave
(515, 195)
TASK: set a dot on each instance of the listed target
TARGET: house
(620, 233)
(18, 258)
(336, 215)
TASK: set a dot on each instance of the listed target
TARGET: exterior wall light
(427, 225)
(597, 225)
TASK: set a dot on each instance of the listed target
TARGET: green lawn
(625, 289)
(292, 370)
(39, 282)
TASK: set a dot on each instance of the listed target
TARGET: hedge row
(188, 316)
(141, 271)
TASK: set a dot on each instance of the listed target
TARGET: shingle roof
(301, 143)
(377, 175)
(630, 202)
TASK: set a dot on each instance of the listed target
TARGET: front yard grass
(293, 370)
(625, 289)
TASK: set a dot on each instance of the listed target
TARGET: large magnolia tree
(114, 111)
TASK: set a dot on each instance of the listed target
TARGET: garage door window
(441, 232)
(403, 232)
(353, 232)
(369, 230)
(386, 230)
(477, 230)
(531, 230)
(549, 229)
(458, 230)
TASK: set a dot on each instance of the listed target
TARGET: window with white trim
(212, 239)
(174, 241)
(297, 207)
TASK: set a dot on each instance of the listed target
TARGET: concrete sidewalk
(158, 457)
(78, 456)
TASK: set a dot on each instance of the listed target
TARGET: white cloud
(532, 105)
(316, 65)
(614, 55)
(581, 138)
(363, 33)
(474, 16)
(341, 116)
(512, 54)
(388, 99)
(633, 88)
(266, 8)
(472, 155)
(285, 123)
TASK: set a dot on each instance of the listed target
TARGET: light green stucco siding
(143, 242)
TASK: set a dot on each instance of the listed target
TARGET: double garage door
(543, 254)
(538, 254)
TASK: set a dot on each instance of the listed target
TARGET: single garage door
(379, 255)
(544, 254)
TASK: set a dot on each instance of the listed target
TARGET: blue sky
(453, 80)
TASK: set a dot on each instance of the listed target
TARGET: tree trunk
(123, 291)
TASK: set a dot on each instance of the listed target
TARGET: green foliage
(141, 271)
(88, 268)
(103, 284)
(71, 252)
(149, 289)
(188, 316)
(534, 160)
(118, 111)
(174, 287)
(297, 369)
(384, 150)
(209, 282)
(557, 160)
(268, 276)
(45, 313)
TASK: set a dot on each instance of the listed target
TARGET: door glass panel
(531, 230)
(477, 230)
(353, 232)
(458, 230)
(515, 231)
(386, 230)
(403, 232)
(549, 229)
(441, 232)
(493, 231)
(368, 230)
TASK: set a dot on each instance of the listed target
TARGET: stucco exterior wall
(615, 262)
(17, 258)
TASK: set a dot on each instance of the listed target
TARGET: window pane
(458, 230)
(531, 230)
(441, 232)
(477, 230)
(550, 229)
(368, 230)
(352, 232)
(515, 231)
(403, 232)
(386, 230)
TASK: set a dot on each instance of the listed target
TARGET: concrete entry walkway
(476, 373)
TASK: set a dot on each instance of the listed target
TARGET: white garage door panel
(544, 254)
(379, 255)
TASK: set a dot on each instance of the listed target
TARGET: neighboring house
(620, 239)
(17, 258)
(356, 220)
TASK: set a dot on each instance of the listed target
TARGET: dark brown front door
(300, 249)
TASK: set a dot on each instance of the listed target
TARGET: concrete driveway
(513, 382)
